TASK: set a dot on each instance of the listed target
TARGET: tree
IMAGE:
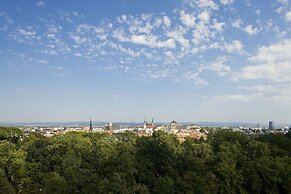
(76, 162)
(12, 165)
(11, 134)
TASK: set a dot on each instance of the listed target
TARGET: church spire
(91, 128)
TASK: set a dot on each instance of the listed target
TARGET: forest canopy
(79, 162)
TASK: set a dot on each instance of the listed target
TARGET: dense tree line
(227, 162)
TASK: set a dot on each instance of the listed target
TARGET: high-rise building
(271, 125)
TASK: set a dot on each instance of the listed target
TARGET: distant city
(181, 130)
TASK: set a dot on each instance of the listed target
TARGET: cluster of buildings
(145, 129)
(258, 130)
(148, 128)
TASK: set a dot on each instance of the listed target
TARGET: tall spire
(90, 130)
(144, 124)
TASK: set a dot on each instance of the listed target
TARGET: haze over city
(188, 60)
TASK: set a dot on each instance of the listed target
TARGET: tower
(91, 128)
(144, 124)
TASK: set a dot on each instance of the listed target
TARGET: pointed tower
(91, 128)
(144, 124)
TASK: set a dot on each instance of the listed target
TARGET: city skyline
(188, 60)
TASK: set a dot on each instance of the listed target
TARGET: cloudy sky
(126, 60)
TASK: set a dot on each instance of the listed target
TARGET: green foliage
(227, 162)
(5, 186)
(12, 165)
(11, 134)
(279, 143)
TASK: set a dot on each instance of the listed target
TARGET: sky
(130, 60)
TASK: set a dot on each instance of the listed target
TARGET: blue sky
(126, 60)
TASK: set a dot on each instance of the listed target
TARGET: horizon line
(243, 122)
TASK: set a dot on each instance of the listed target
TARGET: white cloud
(268, 25)
(163, 40)
(187, 19)
(200, 34)
(234, 47)
(69, 16)
(122, 18)
(151, 41)
(119, 35)
(78, 39)
(9, 20)
(178, 35)
(219, 66)
(159, 74)
(142, 39)
(203, 33)
(215, 45)
(145, 16)
(275, 53)
(207, 4)
(265, 71)
(280, 92)
(279, 10)
(272, 63)
(89, 40)
(167, 21)
(237, 23)
(288, 16)
(284, 2)
(204, 16)
(142, 30)
(251, 30)
(267, 88)
(40, 3)
(280, 34)
(143, 23)
(227, 2)
(218, 26)
(26, 32)
(25, 35)
(43, 61)
(195, 77)
(236, 97)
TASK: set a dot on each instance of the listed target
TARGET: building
(160, 128)
(193, 127)
(173, 128)
(149, 125)
(111, 127)
(271, 125)
(91, 127)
